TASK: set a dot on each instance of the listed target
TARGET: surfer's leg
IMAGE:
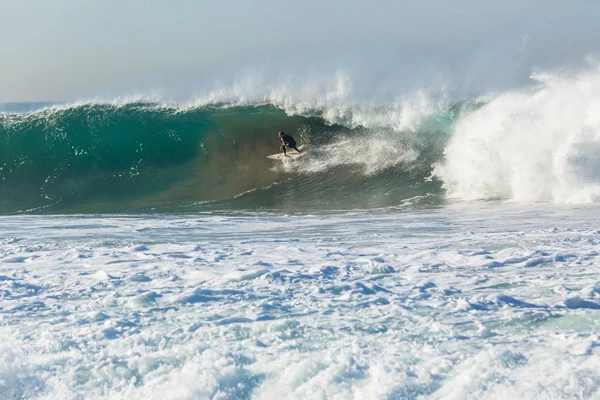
(295, 148)
(283, 149)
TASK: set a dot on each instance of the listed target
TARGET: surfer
(287, 142)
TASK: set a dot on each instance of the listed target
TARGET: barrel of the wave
(147, 157)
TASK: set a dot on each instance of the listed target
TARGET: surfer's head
(280, 134)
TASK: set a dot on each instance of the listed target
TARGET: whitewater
(451, 304)
(427, 247)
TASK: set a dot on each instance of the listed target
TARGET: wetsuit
(288, 141)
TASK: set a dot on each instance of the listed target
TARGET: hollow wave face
(541, 145)
(136, 156)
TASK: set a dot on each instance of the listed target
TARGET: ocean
(429, 247)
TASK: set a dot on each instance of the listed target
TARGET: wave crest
(540, 145)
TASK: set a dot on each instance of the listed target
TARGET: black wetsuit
(288, 141)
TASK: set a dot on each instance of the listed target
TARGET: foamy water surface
(496, 302)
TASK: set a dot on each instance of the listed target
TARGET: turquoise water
(150, 157)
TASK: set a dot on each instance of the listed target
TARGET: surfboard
(290, 154)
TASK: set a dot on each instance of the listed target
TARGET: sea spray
(536, 145)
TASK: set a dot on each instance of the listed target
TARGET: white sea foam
(541, 145)
(367, 155)
(454, 303)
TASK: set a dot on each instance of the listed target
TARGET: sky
(68, 49)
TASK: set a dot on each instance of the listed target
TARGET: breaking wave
(540, 144)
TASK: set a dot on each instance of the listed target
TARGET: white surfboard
(290, 154)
